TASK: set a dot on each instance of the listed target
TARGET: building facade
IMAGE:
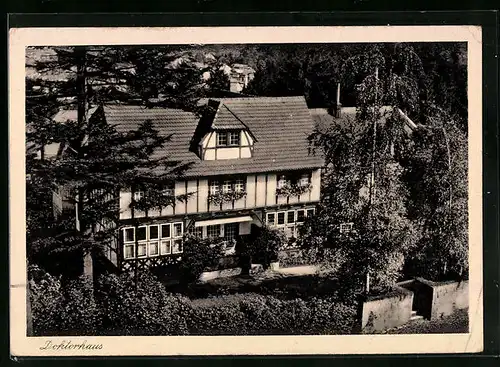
(249, 165)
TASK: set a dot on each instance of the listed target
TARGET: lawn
(281, 285)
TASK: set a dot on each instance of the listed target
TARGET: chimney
(337, 108)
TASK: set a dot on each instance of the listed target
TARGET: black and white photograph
(245, 189)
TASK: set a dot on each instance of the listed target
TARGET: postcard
(245, 190)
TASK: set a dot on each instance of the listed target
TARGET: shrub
(263, 245)
(254, 314)
(142, 308)
(217, 318)
(62, 309)
(198, 256)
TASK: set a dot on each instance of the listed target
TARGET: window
(141, 249)
(213, 231)
(168, 190)
(138, 195)
(214, 187)
(129, 251)
(177, 229)
(153, 249)
(239, 186)
(153, 240)
(230, 231)
(141, 236)
(281, 218)
(222, 138)
(300, 215)
(310, 212)
(165, 231)
(128, 235)
(228, 138)
(282, 181)
(234, 138)
(177, 246)
(165, 247)
(346, 227)
(271, 217)
(128, 242)
(141, 233)
(153, 232)
(198, 232)
(289, 221)
(304, 180)
(227, 187)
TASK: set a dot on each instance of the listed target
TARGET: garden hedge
(118, 307)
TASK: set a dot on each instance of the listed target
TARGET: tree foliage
(437, 177)
(417, 74)
(98, 159)
(404, 193)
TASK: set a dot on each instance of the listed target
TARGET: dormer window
(221, 139)
(234, 138)
(222, 135)
(228, 138)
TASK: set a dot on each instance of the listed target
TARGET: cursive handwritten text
(68, 345)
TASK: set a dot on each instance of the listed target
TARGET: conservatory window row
(152, 240)
(288, 220)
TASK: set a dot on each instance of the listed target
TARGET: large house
(250, 165)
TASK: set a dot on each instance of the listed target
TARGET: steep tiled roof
(281, 126)
(225, 119)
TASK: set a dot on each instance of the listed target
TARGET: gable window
(228, 138)
(234, 138)
(222, 138)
